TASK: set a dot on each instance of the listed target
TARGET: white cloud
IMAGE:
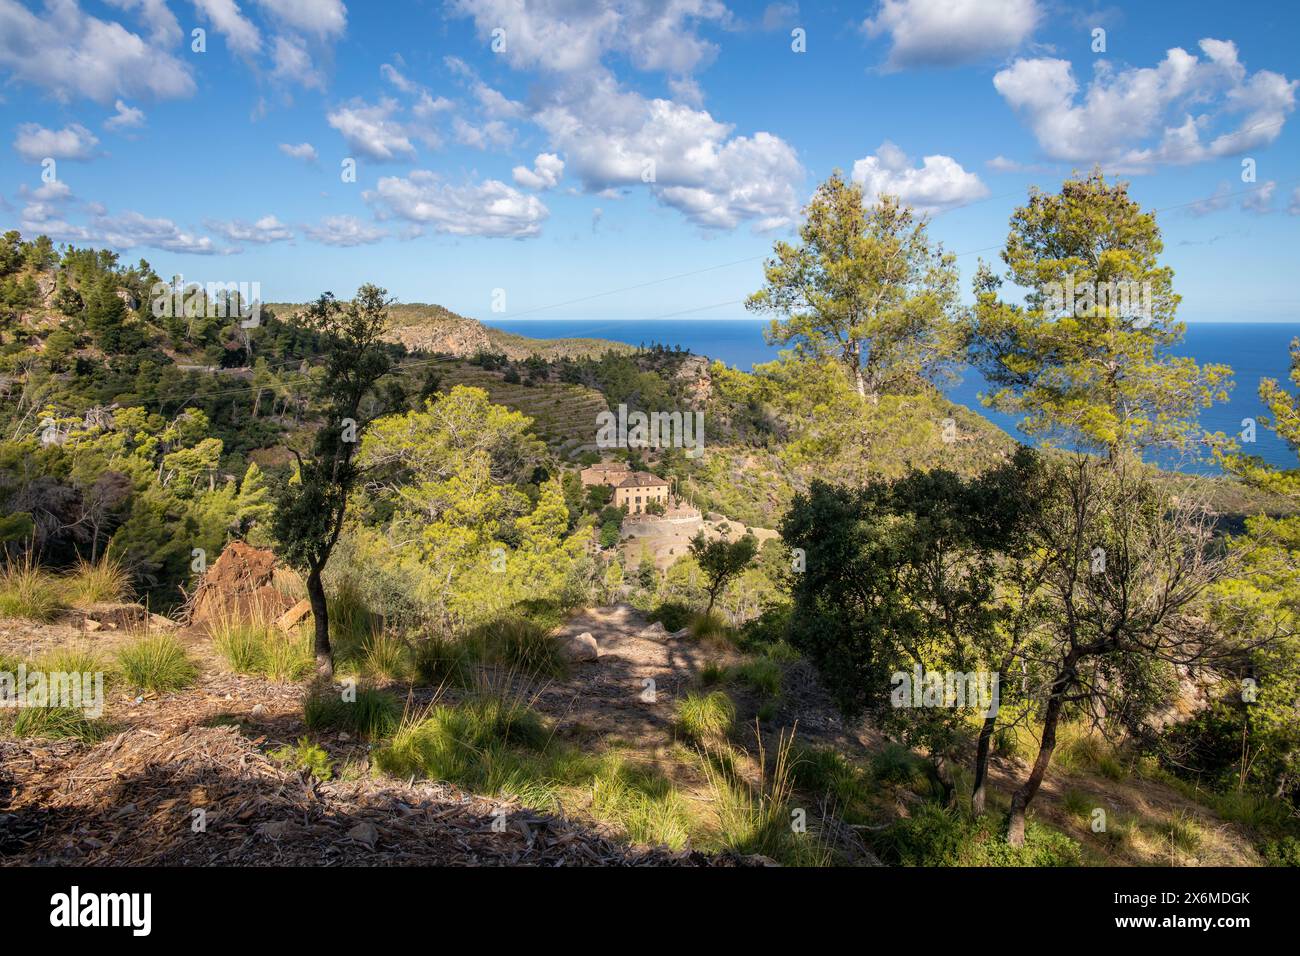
(939, 183)
(124, 117)
(1212, 203)
(371, 130)
(318, 18)
(490, 208)
(72, 54)
(496, 104)
(493, 133)
(265, 230)
(344, 231)
(1178, 101)
(1260, 199)
(545, 174)
(128, 230)
(561, 36)
(1293, 207)
(304, 151)
(293, 63)
(778, 16)
(394, 76)
(428, 106)
(227, 19)
(35, 143)
(684, 157)
(163, 28)
(950, 32)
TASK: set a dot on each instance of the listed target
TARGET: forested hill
(423, 327)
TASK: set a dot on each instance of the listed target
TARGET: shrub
(897, 765)
(261, 648)
(672, 614)
(440, 660)
(938, 836)
(707, 627)
(470, 744)
(519, 643)
(58, 723)
(74, 659)
(824, 770)
(103, 582)
(701, 717)
(642, 803)
(308, 757)
(756, 819)
(384, 656)
(28, 592)
(159, 664)
(373, 714)
(761, 674)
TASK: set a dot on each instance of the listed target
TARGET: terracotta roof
(642, 479)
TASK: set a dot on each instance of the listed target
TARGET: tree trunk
(982, 750)
(321, 621)
(1021, 798)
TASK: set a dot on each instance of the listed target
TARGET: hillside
(421, 327)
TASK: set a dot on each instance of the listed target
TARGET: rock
(365, 832)
(239, 584)
(258, 712)
(91, 624)
(655, 632)
(580, 647)
(678, 635)
(294, 616)
(157, 620)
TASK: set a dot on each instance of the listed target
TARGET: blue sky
(525, 169)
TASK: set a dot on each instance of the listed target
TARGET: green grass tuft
(159, 664)
(704, 717)
(308, 757)
(27, 592)
(372, 715)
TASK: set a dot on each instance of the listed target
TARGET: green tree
(721, 561)
(865, 286)
(310, 511)
(1086, 360)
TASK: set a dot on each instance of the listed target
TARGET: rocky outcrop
(239, 585)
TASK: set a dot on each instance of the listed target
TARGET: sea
(1253, 350)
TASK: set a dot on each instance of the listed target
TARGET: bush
(308, 757)
(384, 656)
(519, 643)
(58, 723)
(701, 717)
(470, 744)
(28, 592)
(159, 664)
(438, 661)
(898, 766)
(939, 836)
(708, 627)
(824, 770)
(672, 614)
(373, 715)
(642, 803)
(260, 648)
(762, 674)
(104, 582)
